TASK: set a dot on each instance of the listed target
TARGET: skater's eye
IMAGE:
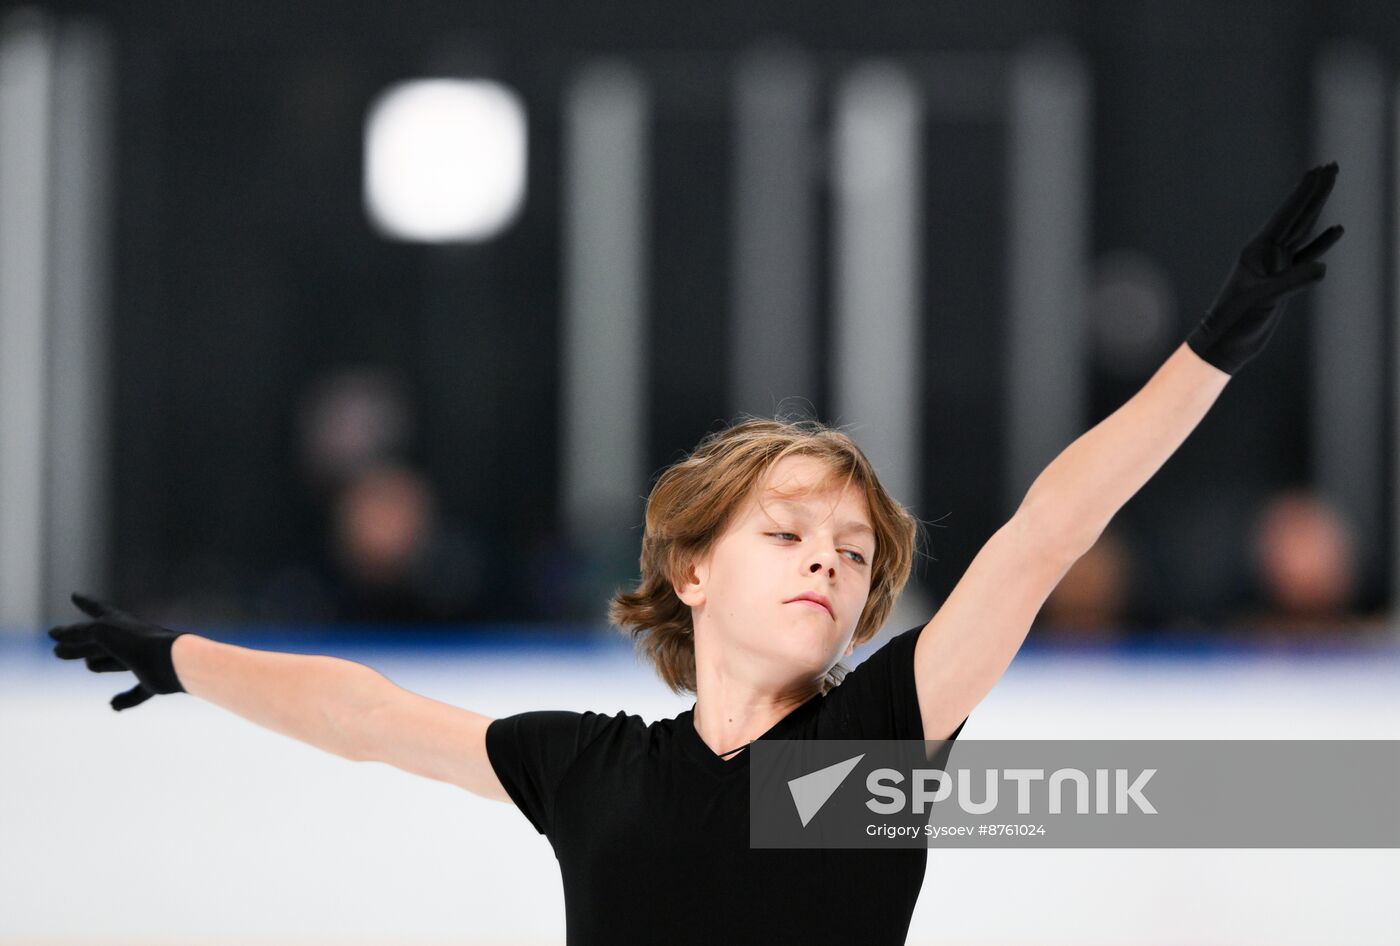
(859, 558)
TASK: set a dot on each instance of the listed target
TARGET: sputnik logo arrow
(811, 791)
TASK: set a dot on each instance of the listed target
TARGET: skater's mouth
(811, 597)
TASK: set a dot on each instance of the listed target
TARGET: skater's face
(815, 541)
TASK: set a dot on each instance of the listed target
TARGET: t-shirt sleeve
(879, 698)
(531, 752)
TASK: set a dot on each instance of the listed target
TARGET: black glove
(1270, 269)
(118, 641)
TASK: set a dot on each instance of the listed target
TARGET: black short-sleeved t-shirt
(651, 827)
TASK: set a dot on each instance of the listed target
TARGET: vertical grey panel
(1394, 316)
(26, 66)
(1348, 335)
(604, 338)
(1048, 207)
(876, 324)
(75, 532)
(774, 334)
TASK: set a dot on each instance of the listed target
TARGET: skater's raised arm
(1077, 495)
(970, 642)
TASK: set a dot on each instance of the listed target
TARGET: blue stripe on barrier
(561, 638)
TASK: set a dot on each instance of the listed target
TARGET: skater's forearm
(1075, 497)
(313, 699)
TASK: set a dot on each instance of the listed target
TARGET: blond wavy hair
(692, 505)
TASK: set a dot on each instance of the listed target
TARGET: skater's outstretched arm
(312, 699)
(339, 706)
(426, 737)
(970, 642)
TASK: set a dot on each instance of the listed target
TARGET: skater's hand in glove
(115, 640)
(1272, 267)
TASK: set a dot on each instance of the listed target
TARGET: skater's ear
(691, 589)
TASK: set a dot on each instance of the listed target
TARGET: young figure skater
(769, 553)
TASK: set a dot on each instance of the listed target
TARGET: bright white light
(445, 160)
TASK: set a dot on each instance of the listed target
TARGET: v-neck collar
(712, 761)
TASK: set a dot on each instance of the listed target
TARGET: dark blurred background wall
(248, 282)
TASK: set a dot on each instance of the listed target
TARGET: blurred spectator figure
(1090, 604)
(1304, 559)
(392, 561)
(350, 418)
(380, 550)
(382, 518)
(387, 558)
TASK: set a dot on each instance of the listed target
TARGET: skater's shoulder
(651, 730)
(618, 718)
(615, 722)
